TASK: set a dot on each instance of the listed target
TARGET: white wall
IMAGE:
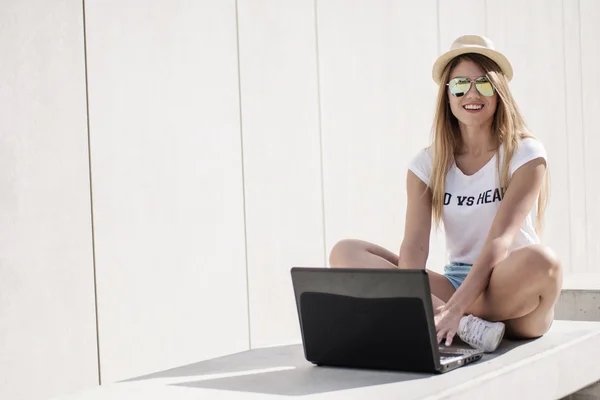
(589, 14)
(230, 141)
(282, 158)
(47, 316)
(372, 123)
(167, 183)
(577, 170)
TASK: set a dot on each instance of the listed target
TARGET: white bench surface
(563, 361)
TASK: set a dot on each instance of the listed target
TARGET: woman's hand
(446, 324)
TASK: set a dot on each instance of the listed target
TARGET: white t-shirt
(471, 201)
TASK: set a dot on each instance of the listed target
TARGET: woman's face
(473, 108)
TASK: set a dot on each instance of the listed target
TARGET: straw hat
(472, 44)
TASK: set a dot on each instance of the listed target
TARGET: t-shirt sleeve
(421, 165)
(529, 149)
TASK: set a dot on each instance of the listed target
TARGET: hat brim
(444, 59)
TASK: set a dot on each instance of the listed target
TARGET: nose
(473, 92)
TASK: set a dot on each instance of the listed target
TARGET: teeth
(474, 107)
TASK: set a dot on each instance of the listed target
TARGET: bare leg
(352, 253)
(522, 292)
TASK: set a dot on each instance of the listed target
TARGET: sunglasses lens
(485, 87)
(459, 87)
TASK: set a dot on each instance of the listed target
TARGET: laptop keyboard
(456, 351)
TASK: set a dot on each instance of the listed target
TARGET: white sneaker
(479, 333)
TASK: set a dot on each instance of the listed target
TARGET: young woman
(484, 178)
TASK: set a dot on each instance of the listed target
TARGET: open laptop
(372, 318)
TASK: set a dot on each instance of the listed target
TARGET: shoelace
(474, 331)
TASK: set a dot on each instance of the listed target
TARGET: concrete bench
(580, 301)
(563, 361)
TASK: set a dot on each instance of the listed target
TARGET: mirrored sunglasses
(460, 86)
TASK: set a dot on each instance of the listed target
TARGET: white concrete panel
(530, 35)
(282, 162)
(167, 183)
(578, 305)
(377, 104)
(590, 65)
(47, 312)
(458, 18)
(576, 161)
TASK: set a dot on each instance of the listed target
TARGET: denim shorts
(456, 273)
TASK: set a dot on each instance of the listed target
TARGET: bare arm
(518, 200)
(415, 245)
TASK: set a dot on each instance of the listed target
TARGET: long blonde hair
(508, 128)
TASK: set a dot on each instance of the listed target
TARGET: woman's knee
(544, 263)
(343, 251)
(530, 277)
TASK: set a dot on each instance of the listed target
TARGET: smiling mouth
(473, 107)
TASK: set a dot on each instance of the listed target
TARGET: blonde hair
(508, 128)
